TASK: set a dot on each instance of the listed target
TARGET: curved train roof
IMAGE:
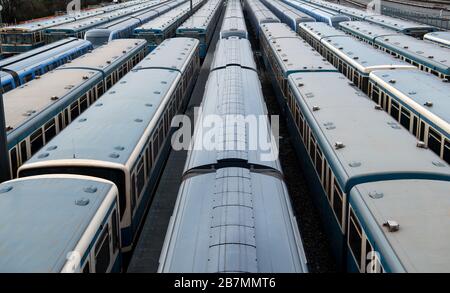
(397, 23)
(230, 92)
(35, 241)
(432, 55)
(104, 57)
(260, 12)
(375, 145)
(442, 38)
(415, 88)
(363, 56)
(201, 19)
(168, 18)
(420, 207)
(233, 51)
(221, 225)
(277, 30)
(61, 83)
(320, 30)
(367, 30)
(98, 134)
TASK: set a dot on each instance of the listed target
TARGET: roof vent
(54, 98)
(445, 80)
(356, 57)
(405, 47)
(82, 202)
(37, 77)
(378, 107)
(9, 128)
(428, 104)
(6, 189)
(315, 108)
(421, 144)
(85, 77)
(339, 145)
(392, 81)
(430, 57)
(392, 226)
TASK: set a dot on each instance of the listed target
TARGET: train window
(395, 109)
(133, 191)
(422, 131)
(149, 158)
(155, 147)
(415, 123)
(50, 130)
(74, 110)
(109, 82)
(100, 89)
(434, 141)
(28, 77)
(355, 237)
(115, 231)
(14, 161)
(160, 135)
(36, 141)
(140, 179)
(83, 103)
(405, 118)
(447, 151)
(375, 94)
(60, 122)
(7, 87)
(312, 147)
(102, 255)
(23, 152)
(319, 161)
(86, 269)
(66, 117)
(337, 201)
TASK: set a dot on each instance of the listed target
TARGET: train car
(233, 24)
(40, 109)
(319, 14)
(355, 59)
(287, 14)
(18, 70)
(59, 224)
(259, 14)
(424, 55)
(202, 24)
(365, 31)
(316, 32)
(242, 220)
(441, 38)
(285, 53)
(353, 13)
(124, 27)
(80, 27)
(359, 167)
(165, 25)
(406, 27)
(129, 150)
(419, 102)
(24, 37)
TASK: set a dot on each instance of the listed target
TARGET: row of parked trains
(374, 183)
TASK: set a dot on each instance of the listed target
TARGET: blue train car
(129, 150)
(202, 24)
(18, 70)
(164, 26)
(319, 14)
(59, 224)
(288, 14)
(40, 109)
(124, 27)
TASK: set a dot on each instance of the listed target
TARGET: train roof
(233, 51)
(432, 55)
(277, 30)
(367, 30)
(220, 225)
(320, 30)
(42, 223)
(171, 54)
(397, 23)
(371, 144)
(234, 9)
(363, 56)
(168, 18)
(225, 97)
(416, 88)
(233, 26)
(106, 57)
(201, 19)
(20, 57)
(442, 38)
(420, 207)
(103, 133)
(295, 55)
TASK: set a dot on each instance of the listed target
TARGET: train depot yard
(225, 136)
